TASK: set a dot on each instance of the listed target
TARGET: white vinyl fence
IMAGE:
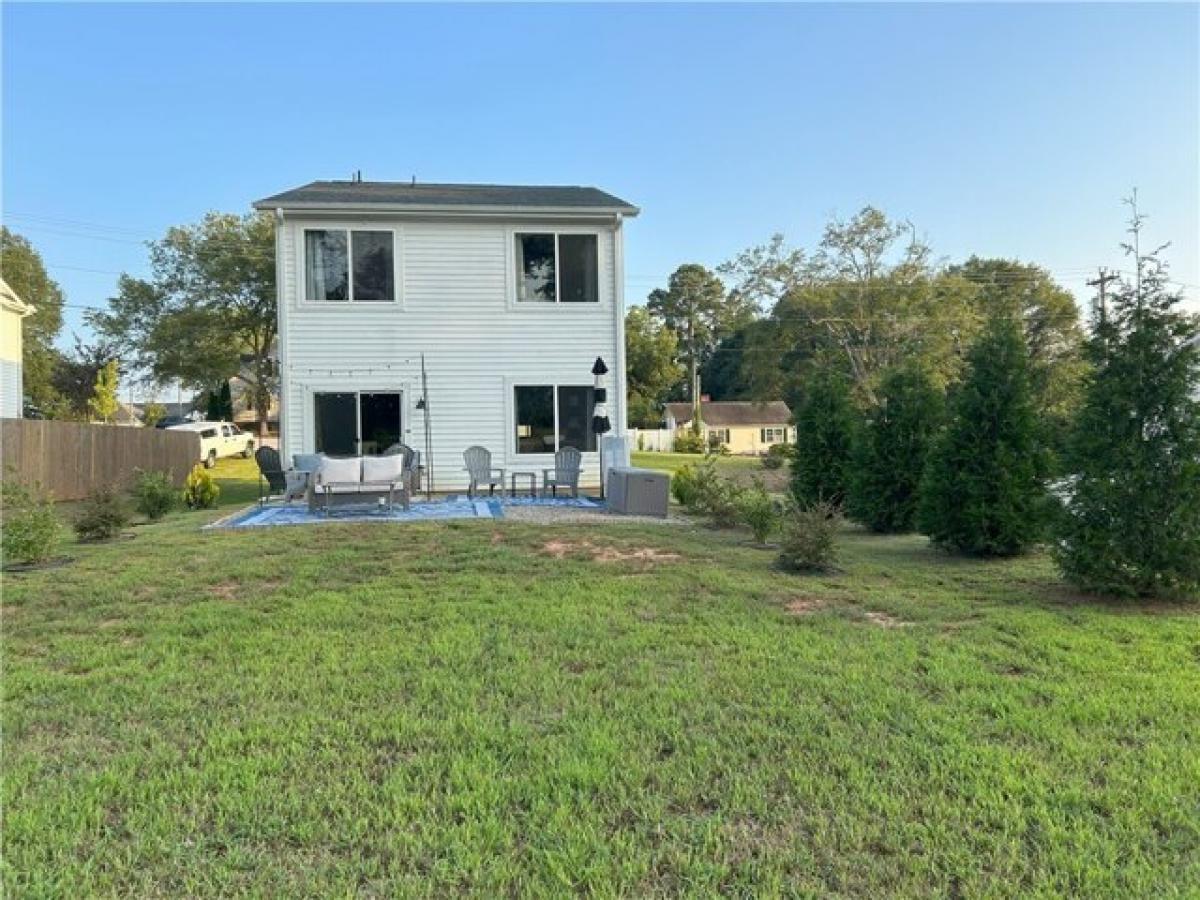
(658, 440)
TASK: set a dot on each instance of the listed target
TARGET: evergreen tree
(824, 435)
(981, 492)
(890, 450)
(1131, 525)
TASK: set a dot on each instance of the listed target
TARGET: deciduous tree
(207, 313)
(22, 268)
(104, 403)
(651, 365)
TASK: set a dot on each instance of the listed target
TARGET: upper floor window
(557, 268)
(341, 265)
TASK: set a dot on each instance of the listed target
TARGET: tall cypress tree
(824, 433)
(1131, 523)
(981, 492)
(890, 451)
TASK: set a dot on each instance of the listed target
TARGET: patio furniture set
(565, 474)
(328, 482)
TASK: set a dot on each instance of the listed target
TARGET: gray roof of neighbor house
(404, 195)
(723, 413)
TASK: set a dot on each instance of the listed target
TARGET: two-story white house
(511, 293)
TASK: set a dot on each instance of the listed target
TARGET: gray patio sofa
(358, 481)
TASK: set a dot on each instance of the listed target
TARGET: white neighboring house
(12, 310)
(511, 293)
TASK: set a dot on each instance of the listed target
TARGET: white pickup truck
(219, 439)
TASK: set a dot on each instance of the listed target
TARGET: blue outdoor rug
(453, 507)
(298, 514)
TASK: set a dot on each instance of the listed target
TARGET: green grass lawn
(443, 709)
(742, 469)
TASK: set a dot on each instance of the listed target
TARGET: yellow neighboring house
(12, 310)
(746, 427)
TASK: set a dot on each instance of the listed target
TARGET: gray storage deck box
(638, 492)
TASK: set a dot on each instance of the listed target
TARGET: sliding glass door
(359, 423)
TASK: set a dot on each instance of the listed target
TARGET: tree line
(772, 320)
(205, 316)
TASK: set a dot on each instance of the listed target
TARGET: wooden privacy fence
(72, 458)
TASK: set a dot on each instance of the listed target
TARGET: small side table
(532, 476)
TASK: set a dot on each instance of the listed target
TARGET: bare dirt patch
(560, 549)
(883, 620)
(805, 606)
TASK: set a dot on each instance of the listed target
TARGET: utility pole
(1102, 282)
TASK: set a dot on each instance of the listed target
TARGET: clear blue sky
(999, 130)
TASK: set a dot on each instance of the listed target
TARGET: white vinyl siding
(455, 302)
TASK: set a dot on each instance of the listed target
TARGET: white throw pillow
(340, 470)
(382, 468)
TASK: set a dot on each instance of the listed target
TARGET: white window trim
(515, 457)
(510, 262)
(397, 266)
(336, 385)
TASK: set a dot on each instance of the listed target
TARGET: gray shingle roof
(723, 413)
(405, 195)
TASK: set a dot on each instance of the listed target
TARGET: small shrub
(689, 442)
(719, 498)
(759, 512)
(31, 530)
(154, 495)
(200, 491)
(809, 537)
(687, 484)
(104, 514)
(777, 455)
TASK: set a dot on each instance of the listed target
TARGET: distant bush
(103, 515)
(758, 511)
(200, 491)
(809, 537)
(31, 531)
(777, 455)
(688, 442)
(153, 493)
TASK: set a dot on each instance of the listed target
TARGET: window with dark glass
(329, 276)
(557, 268)
(550, 417)
(577, 268)
(535, 419)
(575, 406)
(374, 272)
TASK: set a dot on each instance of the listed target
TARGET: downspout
(620, 424)
(280, 339)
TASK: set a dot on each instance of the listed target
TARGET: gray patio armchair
(565, 473)
(479, 466)
(274, 480)
(412, 465)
